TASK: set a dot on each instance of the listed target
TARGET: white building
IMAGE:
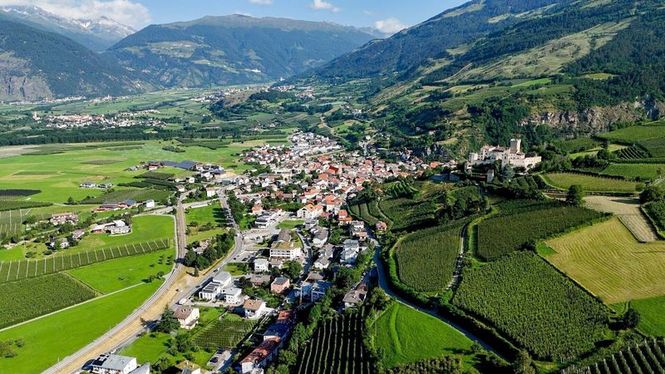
(254, 309)
(149, 204)
(512, 156)
(113, 364)
(212, 290)
(261, 265)
(232, 295)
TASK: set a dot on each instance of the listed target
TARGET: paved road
(133, 324)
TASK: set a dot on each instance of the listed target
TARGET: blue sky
(348, 12)
(387, 15)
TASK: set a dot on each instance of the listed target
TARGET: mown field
(336, 347)
(44, 339)
(22, 269)
(534, 305)
(123, 272)
(211, 214)
(590, 183)
(30, 298)
(426, 259)
(406, 335)
(607, 260)
(503, 234)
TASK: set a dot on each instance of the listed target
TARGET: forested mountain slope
(36, 64)
(233, 49)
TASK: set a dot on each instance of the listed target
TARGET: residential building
(320, 238)
(261, 265)
(113, 364)
(187, 316)
(254, 308)
(355, 296)
(232, 295)
(260, 356)
(63, 218)
(280, 285)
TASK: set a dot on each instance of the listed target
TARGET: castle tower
(515, 145)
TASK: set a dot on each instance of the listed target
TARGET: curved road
(151, 309)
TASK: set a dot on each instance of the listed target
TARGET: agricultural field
(590, 183)
(535, 306)
(30, 298)
(58, 170)
(631, 153)
(123, 272)
(503, 234)
(43, 339)
(629, 213)
(121, 195)
(647, 357)
(336, 347)
(369, 212)
(607, 260)
(406, 335)
(652, 320)
(144, 228)
(426, 259)
(634, 171)
(224, 333)
(406, 214)
(22, 269)
(635, 134)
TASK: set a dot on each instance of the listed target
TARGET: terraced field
(607, 260)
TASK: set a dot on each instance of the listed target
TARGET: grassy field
(58, 170)
(590, 183)
(211, 214)
(607, 260)
(290, 224)
(635, 134)
(56, 336)
(406, 335)
(123, 272)
(652, 319)
(144, 228)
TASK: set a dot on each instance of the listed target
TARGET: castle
(512, 156)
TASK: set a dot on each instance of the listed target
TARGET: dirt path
(627, 209)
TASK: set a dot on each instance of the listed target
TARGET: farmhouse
(512, 156)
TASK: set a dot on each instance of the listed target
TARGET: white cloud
(389, 25)
(324, 5)
(261, 2)
(127, 12)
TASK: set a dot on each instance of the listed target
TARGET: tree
(523, 364)
(575, 195)
(631, 319)
(168, 322)
(507, 173)
(71, 201)
(293, 269)
(651, 193)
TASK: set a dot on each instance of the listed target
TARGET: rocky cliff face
(598, 119)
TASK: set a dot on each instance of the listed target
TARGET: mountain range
(95, 34)
(232, 49)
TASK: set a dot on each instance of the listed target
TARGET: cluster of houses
(117, 227)
(70, 121)
(93, 185)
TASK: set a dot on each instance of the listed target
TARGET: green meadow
(406, 335)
